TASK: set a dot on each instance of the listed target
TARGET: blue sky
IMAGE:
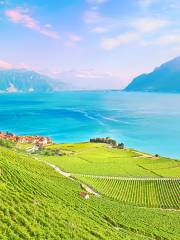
(90, 43)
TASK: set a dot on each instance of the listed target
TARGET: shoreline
(50, 140)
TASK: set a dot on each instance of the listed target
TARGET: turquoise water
(146, 121)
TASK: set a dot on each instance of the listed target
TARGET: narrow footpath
(68, 175)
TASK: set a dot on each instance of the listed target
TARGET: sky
(93, 44)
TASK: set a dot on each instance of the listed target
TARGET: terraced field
(134, 178)
(36, 202)
(154, 193)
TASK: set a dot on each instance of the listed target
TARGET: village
(36, 140)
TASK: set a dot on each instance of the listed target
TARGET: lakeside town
(37, 140)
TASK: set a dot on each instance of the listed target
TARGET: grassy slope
(99, 159)
(149, 193)
(38, 203)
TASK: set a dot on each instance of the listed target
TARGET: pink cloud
(5, 65)
(73, 37)
(21, 16)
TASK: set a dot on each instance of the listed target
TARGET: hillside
(27, 81)
(122, 174)
(165, 78)
(100, 159)
(39, 203)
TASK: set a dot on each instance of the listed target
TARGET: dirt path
(89, 190)
(129, 178)
(143, 155)
(68, 175)
(65, 174)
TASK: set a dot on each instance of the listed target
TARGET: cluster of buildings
(109, 141)
(37, 140)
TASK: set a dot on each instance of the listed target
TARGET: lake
(146, 121)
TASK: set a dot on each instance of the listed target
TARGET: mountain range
(22, 80)
(165, 78)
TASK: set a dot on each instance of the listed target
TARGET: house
(84, 195)
(33, 149)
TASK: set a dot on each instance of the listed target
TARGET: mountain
(165, 78)
(21, 80)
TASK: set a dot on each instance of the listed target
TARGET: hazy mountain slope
(165, 78)
(27, 81)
